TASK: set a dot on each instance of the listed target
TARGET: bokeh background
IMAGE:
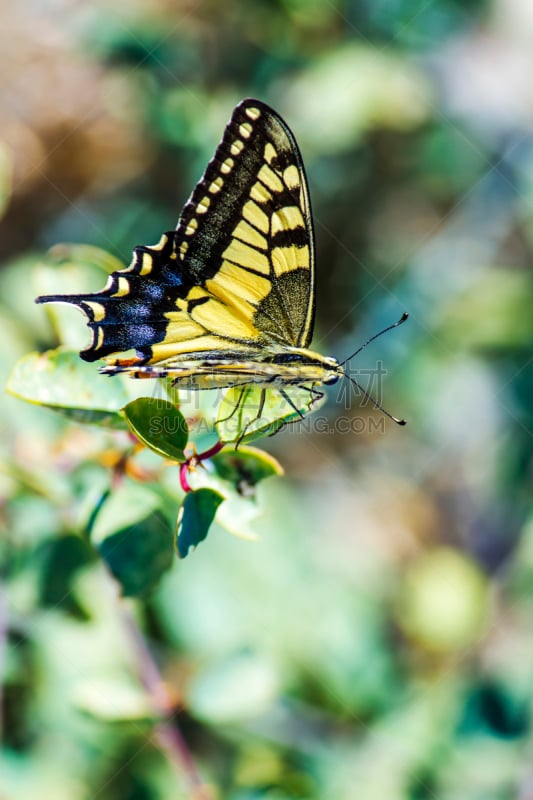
(377, 641)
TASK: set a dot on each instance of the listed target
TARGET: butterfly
(227, 300)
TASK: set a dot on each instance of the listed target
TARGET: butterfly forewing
(236, 276)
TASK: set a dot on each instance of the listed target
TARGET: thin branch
(167, 731)
(3, 651)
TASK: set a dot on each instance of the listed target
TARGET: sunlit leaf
(60, 380)
(71, 268)
(243, 416)
(235, 474)
(159, 425)
(245, 467)
(86, 254)
(195, 518)
(238, 513)
(386, 91)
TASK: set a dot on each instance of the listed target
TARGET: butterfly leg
(257, 417)
(315, 395)
(293, 406)
(288, 400)
(235, 407)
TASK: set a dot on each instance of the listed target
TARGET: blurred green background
(377, 641)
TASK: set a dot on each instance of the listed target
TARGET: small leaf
(245, 467)
(195, 518)
(244, 416)
(235, 474)
(61, 559)
(134, 538)
(239, 516)
(60, 380)
(139, 554)
(159, 425)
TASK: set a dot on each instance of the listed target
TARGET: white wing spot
(203, 205)
(245, 130)
(191, 227)
(216, 186)
(236, 147)
(253, 113)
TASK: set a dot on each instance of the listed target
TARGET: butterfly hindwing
(237, 274)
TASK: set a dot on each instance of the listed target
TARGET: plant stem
(194, 460)
(168, 732)
(3, 652)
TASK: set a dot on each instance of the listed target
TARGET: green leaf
(444, 601)
(235, 474)
(493, 312)
(159, 425)
(61, 559)
(6, 177)
(60, 380)
(245, 467)
(239, 687)
(113, 700)
(243, 416)
(195, 518)
(71, 268)
(386, 92)
(134, 538)
(66, 255)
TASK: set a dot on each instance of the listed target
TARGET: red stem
(217, 447)
(184, 483)
(194, 460)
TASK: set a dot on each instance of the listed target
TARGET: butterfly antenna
(376, 336)
(374, 402)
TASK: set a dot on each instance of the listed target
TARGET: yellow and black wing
(237, 274)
